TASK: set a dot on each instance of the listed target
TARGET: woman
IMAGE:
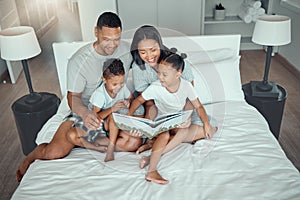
(147, 50)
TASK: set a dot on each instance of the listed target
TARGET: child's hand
(126, 103)
(119, 105)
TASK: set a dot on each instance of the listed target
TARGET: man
(83, 76)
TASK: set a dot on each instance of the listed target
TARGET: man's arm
(89, 117)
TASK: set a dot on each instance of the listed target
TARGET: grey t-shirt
(84, 69)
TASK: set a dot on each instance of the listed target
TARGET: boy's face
(108, 39)
(149, 51)
(167, 74)
(114, 84)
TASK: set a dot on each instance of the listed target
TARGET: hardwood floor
(44, 78)
(252, 68)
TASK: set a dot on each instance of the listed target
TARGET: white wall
(89, 11)
(290, 51)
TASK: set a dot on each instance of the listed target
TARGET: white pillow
(198, 57)
(218, 81)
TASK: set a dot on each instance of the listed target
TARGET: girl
(170, 93)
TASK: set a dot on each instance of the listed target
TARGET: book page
(148, 127)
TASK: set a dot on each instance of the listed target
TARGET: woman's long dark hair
(142, 33)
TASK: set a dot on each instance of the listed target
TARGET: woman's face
(149, 51)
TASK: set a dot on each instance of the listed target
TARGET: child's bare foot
(145, 160)
(109, 154)
(155, 177)
(109, 158)
(22, 170)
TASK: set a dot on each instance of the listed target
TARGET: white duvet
(242, 161)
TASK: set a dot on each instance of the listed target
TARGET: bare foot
(109, 154)
(108, 158)
(155, 177)
(22, 170)
(145, 160)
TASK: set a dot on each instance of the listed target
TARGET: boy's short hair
(109, 19)
(113, 67)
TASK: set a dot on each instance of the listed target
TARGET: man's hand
(91, 121)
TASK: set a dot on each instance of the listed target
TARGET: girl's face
(149, 51)
(167, 75)
(114, 84)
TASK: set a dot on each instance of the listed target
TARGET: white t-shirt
(101, 98)
(143, 78)
(84, 69)
(167, 102)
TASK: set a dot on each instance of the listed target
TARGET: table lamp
(19, 44)
(33, 110)
(270, 31)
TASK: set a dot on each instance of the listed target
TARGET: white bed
(242, 161)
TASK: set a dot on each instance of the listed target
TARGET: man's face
(108, 39)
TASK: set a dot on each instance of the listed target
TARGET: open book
(151, 128)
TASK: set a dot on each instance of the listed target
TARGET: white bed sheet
(242, 161)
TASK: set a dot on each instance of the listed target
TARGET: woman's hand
(209, 131)
(135, 133)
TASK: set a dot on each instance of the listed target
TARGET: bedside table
(30, 118)
(270, 108)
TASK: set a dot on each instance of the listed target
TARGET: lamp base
(260, 89)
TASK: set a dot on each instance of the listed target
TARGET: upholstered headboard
(194, 46)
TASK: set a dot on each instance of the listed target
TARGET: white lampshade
(18, 43)
(272, 30)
